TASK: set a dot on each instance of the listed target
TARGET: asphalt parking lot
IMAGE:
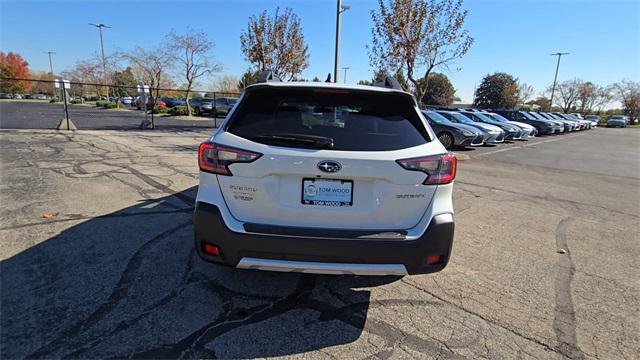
(97, 259)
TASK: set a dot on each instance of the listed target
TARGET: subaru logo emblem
(329, 166)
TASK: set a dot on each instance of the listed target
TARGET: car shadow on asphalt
(464, 149)
(129, 284)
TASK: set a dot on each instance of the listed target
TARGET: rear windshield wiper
(316, 142)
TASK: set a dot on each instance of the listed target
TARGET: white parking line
(533, 144)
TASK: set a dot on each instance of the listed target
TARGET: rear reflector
(434, 259)
(211, 249)
(440, 169)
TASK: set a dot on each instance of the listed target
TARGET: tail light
(440, 169)
(214, 158)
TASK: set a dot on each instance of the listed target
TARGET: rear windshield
(350, 120)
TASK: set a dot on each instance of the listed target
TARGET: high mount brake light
(331, 91)
(214, 158)
(440, 169)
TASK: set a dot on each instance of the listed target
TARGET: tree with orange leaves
(12, 65)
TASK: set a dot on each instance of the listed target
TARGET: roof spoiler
(268, 76)
(389, 82)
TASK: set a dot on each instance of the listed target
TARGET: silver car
(617, 121)
(625, 118)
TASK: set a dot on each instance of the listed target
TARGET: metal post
(153, 107)
(553, 88)
(51, 69)
(215, 111)
(341, 8)
(66, 108)
(345, 73)
(104, 62)
(335, 64)
(144, 98)
(50, 61)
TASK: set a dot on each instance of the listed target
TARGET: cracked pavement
(98, 260)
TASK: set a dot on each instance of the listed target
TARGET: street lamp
(50, 62)
(340, 9)
(345, 73)
(553, 88)
(104, 62)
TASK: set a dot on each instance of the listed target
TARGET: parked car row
(201, 105)
(138, 103)
(25, 96)
(473, 127)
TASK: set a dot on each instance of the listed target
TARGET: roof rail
(389, 82)
(268, 76)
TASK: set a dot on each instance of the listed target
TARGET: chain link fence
(40, 104)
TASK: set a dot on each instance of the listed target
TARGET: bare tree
(226, 84)
(418, 36)
(568, 92)
(90, 71)
(592, 96)
(276, 44)
(628, 93)
(192, 51)
(150, 66)
(525, 92)
(603, 98)
(586, 96)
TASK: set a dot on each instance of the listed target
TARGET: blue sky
(517, 37)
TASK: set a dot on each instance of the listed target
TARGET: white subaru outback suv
(325, 178)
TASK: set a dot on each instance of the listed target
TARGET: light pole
(345, 73)
(340, 9)
(50, 62)
(104, 62)
(553, 88)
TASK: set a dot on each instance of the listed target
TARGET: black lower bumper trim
(210, 228)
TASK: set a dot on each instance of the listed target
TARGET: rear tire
(446, 139)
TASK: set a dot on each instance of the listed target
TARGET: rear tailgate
(384, 196)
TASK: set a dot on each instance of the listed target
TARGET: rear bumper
(322, 255)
